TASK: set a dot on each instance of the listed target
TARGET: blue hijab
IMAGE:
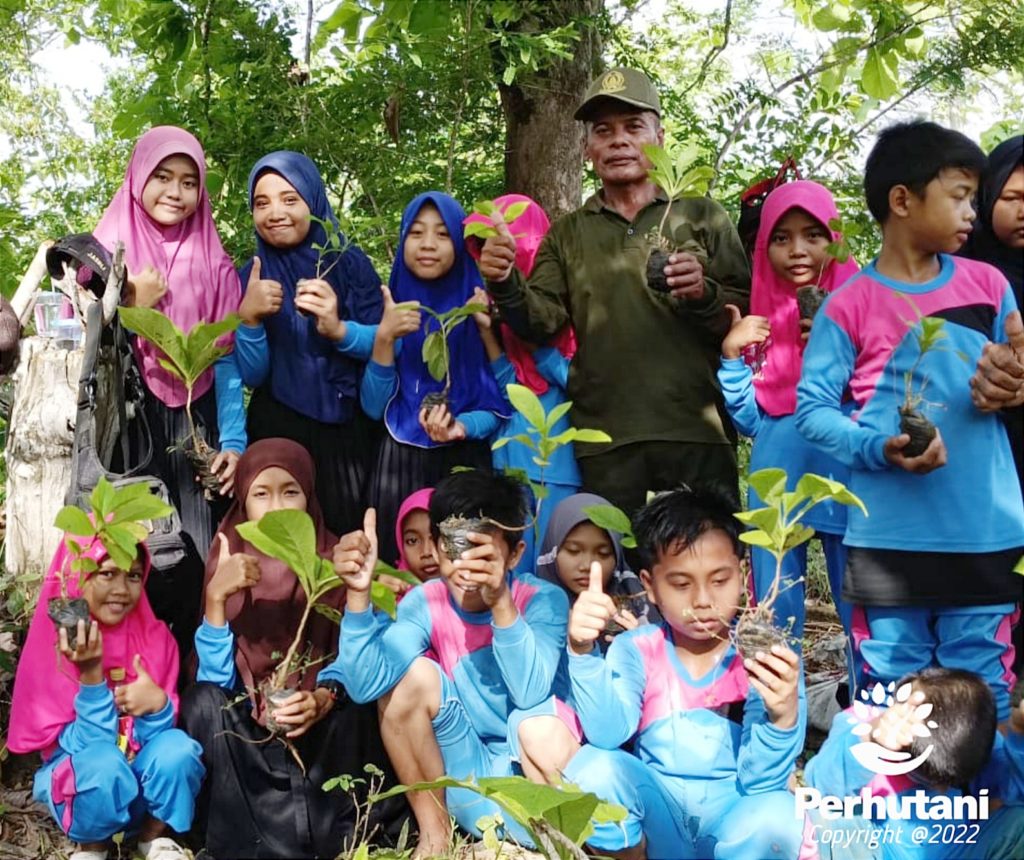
(473, 384)
(307, 373)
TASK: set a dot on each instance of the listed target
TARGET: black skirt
(403, 469)
(342, 453)
(256, 802)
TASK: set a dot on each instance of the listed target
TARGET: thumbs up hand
(262, 298)
(998, 381)
(743, 331)
(142, 696)
(355, 557)
(398, 320)
(498, 255)
(235, 571)
(591, 613)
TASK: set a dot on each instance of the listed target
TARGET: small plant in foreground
(435, 348)
(675, 172)
(777, 528)
(187, 357)
(117, 520)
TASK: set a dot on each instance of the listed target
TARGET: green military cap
(621, 85)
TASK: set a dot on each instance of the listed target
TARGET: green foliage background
(244, 76)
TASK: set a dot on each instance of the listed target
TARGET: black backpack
(752, 201)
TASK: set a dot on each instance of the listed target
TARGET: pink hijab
(418, 501)
(774, 297)
(530, 228)
(202, 282)
(46, 683)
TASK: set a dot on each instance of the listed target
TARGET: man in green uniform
(644, 371)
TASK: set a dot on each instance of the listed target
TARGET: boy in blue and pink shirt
(932, 567)
(493, 691)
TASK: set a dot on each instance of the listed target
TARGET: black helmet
(92, 259)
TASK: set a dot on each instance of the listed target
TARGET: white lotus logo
(875, 757)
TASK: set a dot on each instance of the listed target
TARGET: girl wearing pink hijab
(176, 264)
(102, 714)
(761, 360)
(544, 370)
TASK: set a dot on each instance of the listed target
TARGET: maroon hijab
(264, 618)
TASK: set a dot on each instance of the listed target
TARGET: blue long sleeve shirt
(554, 367)
(495, 669)
(778, 444)
(863, 341)
(681, 724)
(380, 382)
(227, 386)
(215, 652)
(96, 721)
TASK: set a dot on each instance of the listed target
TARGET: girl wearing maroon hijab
(257, 802)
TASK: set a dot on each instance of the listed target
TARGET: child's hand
(626, 620)
(393, 583)
(224, 466)
(318, 298)
(302, 710)
(440, 425)
(776, 676)
(263, 297)
(498, 255)
(142, 696)
(355, 557)
(480, 297)
(235, 571)
(484, 567)
(933, 457)
(744, 331)
(590, 613)
(894, 729)
(88, 653)
(398, 320)
(146, 287)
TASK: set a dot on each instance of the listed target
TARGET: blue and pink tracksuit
(562, 476)
(931, 564)
(492, 678)
(834, 771)
(709, 772)
(94, 789)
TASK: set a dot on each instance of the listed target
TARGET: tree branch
(705, 66)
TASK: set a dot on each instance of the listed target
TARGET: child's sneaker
(163, 848)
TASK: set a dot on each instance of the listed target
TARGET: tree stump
(40, 436)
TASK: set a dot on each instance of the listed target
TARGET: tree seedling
(491, 210)
(540, 437)
(777, 527)
(333, 247)
(435, 348)
(186, 357)
(809, 298)
(290, 536)
(677, 174)
(117, 520)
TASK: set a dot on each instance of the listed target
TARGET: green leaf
(799, 534)
(328, 612)
(556, 414)
(74, 521)
(515, 210)
(879, 79)
(769, 484)
(383, 567)
(1019, 566)
(479, 229)
(485, 208)
(592, 437)
(758, 538)
(435, 355)
(765, 519)
(159, 331)
(201, 349)
(289, 536)
(610, 518)
(384, 599)
(102, 499)
(528, 405)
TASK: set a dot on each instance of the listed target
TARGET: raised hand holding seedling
(263, 297)
(87, 653)
(590, 613)
(498, 255)
(234, 572)
(316, 298)
(398, 320)
(744, 331)
(142, 696)
(775, 675)
(355, 557)
(482, 565)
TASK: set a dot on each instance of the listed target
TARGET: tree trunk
(543, 149)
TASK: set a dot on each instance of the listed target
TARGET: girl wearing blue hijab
(304, 341)
(423, 442)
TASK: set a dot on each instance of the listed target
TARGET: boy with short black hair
(945, 720)
(484, 698)
(715, 736)
(932, 567)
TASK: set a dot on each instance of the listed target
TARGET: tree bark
(543, 143)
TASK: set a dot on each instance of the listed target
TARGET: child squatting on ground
(499, 642)
(932, 566)
(102, 714)
(716, 736)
